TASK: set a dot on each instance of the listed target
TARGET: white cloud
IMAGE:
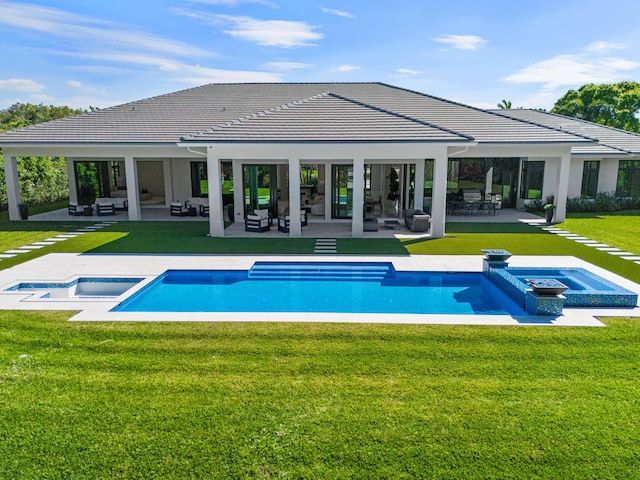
(407, 71)
(339, 13)
(199, 76)
(272, 33)
(462, 42)
(348, 68)
(42, 98)
(286, 65)
(74, 84)
(22, 85)
(569, 70)
(603, 46)
(85, 32)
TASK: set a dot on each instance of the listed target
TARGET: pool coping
(71, 265)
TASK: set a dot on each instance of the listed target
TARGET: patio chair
(75, 209)
(105, 207)
(260, 221)
(178, 209)
(285, 222)
(370, 224)
(416, 220)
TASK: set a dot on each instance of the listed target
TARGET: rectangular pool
(321, 287)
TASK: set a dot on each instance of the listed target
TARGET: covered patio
(315, 228)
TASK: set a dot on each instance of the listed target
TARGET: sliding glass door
(342, 191)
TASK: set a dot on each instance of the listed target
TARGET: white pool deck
(63, 267)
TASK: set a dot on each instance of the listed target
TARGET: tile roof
(333, 111)
(612, 141)
(326, 118)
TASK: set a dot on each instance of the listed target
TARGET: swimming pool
(368, 287)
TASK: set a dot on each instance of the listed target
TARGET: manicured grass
(198, 400)
(617, 230)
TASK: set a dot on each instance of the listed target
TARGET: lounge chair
(370, 224)
(416, 220)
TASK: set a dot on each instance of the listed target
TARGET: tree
(505, 104)
(616, 105)
(42, 179)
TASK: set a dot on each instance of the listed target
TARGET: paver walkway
(53, 240)
(585, 241)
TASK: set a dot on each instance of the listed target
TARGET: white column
(295, 226)
(357, 215)
(13, 186)
(418, 189)
(562, 187)
(439, 197)
(71, 176)
(238, 191)
(214, 175)
(168, 183)
(133, 197)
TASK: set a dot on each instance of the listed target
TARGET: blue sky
(102, 53)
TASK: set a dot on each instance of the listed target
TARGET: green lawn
(622, 231)
(247, 400)
(252, 400)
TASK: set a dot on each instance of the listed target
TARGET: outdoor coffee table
(392, 224)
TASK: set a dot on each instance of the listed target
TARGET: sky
(479, 52)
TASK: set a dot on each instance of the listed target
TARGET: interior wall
(151, 177)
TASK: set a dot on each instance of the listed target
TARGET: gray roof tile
(613, 141)
(398, 114)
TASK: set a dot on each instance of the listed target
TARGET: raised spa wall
(531, 302)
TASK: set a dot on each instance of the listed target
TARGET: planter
(23, 208)
(548, 214)
(496, 255)
(546, 286)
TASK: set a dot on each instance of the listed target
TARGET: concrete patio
(316, 228)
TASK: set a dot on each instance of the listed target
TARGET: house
(358, 149)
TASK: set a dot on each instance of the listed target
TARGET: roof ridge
(257, 114)
(490, 112)
(577, 120)
(400, 115)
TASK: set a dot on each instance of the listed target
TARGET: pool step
(322, 270)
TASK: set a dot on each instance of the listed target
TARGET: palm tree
(505, 105)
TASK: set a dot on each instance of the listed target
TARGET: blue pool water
(321, 287)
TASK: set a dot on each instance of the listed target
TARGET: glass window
(199, 184)
(628, 179)
(428, 178)
(590, 178)
(531, 180)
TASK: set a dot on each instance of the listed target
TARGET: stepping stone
(87, 230)
(45, 243)
(631, 258)
(32, 247)
(619, 253)
(17, 251)
(325, 245)
(608, 249)
(597, 245)
(55, 239)
(568, 235)
(585, 241)
(65, 236)
(7, 255)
